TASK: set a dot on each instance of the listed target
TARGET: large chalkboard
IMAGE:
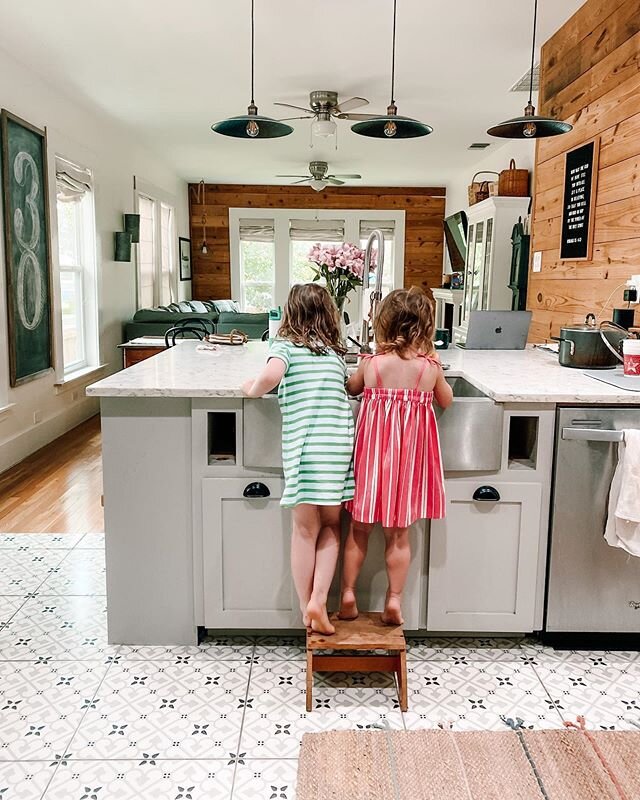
(578, 201)
(26, 236)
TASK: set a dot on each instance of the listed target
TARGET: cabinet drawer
(483, 560)
(246, 551)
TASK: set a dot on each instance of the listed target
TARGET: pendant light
(392, 126)
(530, 126)
(251, 125)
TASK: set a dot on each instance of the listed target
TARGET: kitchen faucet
(365, 335)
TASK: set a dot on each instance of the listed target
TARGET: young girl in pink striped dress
(397, 462)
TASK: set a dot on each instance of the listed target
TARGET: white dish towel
(623, 521)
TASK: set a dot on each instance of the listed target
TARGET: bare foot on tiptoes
(392, 614)
(319, 618)
(306, 621)
(348, 605)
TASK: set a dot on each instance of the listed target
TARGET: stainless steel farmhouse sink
(470, 430)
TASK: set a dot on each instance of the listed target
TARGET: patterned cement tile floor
(83, 720)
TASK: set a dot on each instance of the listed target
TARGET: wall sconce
(132, 226)
(122, 245)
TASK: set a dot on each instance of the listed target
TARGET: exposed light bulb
(253, 129)
(390, 128)
(529, 129)
(203, 249)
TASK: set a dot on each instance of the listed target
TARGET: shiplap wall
(424, 212)
(590, 76)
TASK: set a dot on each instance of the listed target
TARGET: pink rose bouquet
(341, 266)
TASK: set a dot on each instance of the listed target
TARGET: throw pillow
(226, 306)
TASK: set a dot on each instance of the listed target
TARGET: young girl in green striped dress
(317, 439)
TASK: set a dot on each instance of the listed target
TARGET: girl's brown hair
(404, 322)
(311, 319)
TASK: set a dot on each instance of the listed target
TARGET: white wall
(495, 158)
(115, 155)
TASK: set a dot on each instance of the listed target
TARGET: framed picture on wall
(184, 250)
(579, 201)
(27, 248)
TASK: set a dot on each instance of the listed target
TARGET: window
(304, 233)
(77, 263)
(257, 265)
(270, 247)
(157, 281)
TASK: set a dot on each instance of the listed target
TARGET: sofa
(224, 315)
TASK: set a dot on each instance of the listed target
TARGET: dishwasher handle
(592, 435)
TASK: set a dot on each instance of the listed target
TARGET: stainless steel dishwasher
(592, 588)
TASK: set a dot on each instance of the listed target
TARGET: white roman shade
(72, 182)
(257, 230)
(316, 230)
(387, 226)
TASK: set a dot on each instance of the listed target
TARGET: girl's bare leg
(304, 538)
(327, 551)
(355, 551)
(397, 555)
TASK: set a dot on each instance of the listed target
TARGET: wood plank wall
(590, 75)
(424, 209)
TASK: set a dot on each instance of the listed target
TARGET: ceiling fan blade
(353, 177)
(287, 119)
(297, 108)
(353, 102)
(360, 116)
(334, 181)
(293, 176)
(304, 180)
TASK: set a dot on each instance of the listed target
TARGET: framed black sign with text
(578, 201)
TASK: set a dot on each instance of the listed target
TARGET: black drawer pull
(486, 493)
(256, 489)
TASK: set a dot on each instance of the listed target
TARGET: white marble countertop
(507, 376)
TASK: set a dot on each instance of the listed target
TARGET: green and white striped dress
(317, 426)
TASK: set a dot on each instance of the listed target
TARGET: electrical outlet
(632, 292)
(37, 417)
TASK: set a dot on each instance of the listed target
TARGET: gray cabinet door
(246, 544)
(484, 559)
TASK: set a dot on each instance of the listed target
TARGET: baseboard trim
(26, 442)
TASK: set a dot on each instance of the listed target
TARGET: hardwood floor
(58, 488)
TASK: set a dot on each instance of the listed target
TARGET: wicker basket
(513, 182)
(479, 190)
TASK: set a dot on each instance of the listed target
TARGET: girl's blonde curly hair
(311, 319)
(405, 323)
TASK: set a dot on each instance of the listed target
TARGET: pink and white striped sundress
(397, 461)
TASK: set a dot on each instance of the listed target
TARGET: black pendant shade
(391, 125)
(529, 125)
(251, 125)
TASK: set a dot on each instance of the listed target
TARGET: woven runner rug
(570, 764)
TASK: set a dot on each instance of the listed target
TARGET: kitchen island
(196, 538)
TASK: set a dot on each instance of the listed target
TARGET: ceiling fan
(323, 105)
(318, 178)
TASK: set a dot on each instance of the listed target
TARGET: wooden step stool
(364, 634)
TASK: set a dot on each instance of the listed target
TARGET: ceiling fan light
(317, 185)
(323, 128)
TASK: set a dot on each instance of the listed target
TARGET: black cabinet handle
(486, 493)
(256, 489)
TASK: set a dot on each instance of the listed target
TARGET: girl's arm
(267, 380)
(442, 392)
(355, 383)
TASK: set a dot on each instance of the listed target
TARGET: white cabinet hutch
(488, 267)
